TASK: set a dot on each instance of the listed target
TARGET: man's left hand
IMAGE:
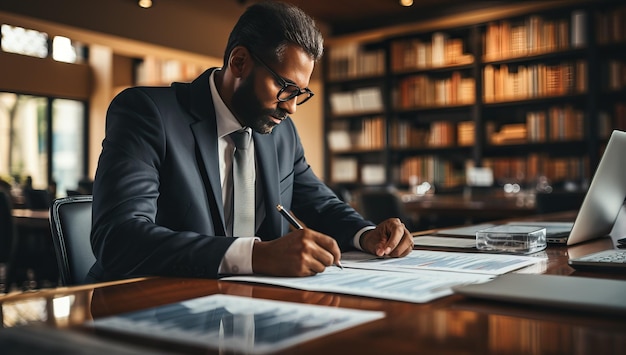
(390, 238)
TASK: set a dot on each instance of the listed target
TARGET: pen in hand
(295, 223)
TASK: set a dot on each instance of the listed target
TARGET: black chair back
(70, 222)
(7, 242)
(7, 229)
(36, 199)
(558, 201)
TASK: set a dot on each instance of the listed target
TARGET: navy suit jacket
(157, 206)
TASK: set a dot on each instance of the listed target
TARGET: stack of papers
(420, 277)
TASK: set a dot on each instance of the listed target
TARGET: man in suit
(162, 198)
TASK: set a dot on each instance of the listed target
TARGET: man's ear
(239, 57)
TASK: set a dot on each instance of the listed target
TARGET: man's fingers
(329, 252)
(394, 229)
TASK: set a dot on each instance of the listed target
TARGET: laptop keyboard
(610, 257)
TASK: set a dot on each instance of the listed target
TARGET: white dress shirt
(238, 257)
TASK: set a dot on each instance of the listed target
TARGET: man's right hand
(303, 252)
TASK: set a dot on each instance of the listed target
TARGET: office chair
(7, 241)
(557, 201)
(377, 205)
(70, 222)
(37, 199)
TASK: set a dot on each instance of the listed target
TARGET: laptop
(605, 197)
(599, 209)
(603, 200)
(556, 232)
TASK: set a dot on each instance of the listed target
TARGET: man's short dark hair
(266, 28)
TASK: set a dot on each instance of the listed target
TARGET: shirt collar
(226, 121)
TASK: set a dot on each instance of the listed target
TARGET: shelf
(537, 101)
(540, 57)
(430, 70)
(552, 148)
(524, 90)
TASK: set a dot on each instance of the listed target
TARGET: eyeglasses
(288, 90)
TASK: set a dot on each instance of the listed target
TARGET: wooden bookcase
(529, 90)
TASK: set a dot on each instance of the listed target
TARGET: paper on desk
(417, 286)
(238, 325)
(479, 263)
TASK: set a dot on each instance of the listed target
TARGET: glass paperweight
(511, 238)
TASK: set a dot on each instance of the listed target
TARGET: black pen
(295, 223)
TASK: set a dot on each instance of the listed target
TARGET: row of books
(503, 39)
(351, 60)
(534, 35)
(368, 99)
(528, 169)
(366, 134)
(618, 121)
(432, 169)
(616, 75)
(503, 83)
(348, 170)
(611, 25)
(418, 54)
(557, 124)
(423, 91)
(444, 173)
(403, 134)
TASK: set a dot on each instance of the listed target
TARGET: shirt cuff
(357, 236)
(238, 258)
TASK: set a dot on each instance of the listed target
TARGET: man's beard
(249, 110)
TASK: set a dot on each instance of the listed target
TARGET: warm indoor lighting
(145, 3)
(406, 2)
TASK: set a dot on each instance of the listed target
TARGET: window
(33, 43)
(23, 41)
(43, 138)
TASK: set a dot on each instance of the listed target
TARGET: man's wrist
(356, 241)
(362, 238)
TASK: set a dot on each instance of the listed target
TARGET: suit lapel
(205, 133)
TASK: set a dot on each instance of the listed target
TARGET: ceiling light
(145, 3)
(406, 2)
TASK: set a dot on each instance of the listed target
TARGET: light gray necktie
(243, 185)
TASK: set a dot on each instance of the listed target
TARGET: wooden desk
(449, 325)
(37, 219)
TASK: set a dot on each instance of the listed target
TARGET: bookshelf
(530, 91)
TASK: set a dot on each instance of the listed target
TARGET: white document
(238, 325)
(478, 263)
(417, 286)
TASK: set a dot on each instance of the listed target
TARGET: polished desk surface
(453, 324)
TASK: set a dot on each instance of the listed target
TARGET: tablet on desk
(567, 292)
